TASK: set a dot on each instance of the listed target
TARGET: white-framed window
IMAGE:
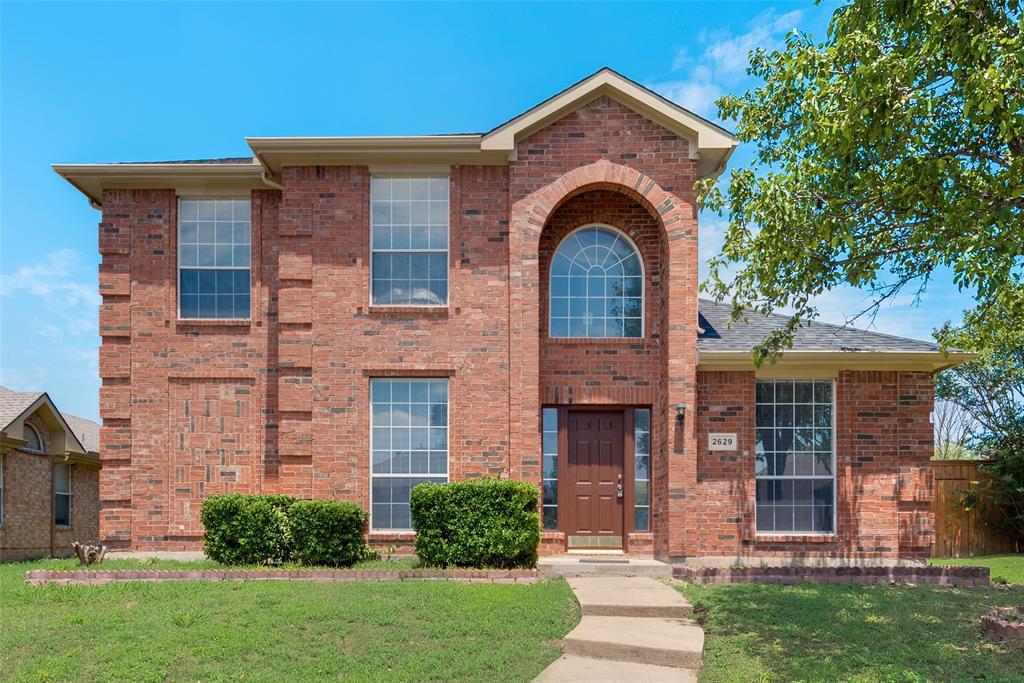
(409, 241)
(642, 469)
(596, 286)
(214, 245)
(33, 441)
(62, 494)
(795, 460)
(408, 445)
(549, 476)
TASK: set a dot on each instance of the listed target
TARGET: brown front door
(595, 478)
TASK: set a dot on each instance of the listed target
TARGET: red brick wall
(883, 443)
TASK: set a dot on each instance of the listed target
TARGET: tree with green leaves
(892, 149)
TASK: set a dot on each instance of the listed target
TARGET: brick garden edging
(38, 577)
(996, 625)
(933, 575)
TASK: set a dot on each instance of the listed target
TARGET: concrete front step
(641, 640)
(572, 669)
(577, 565)
(638, 596)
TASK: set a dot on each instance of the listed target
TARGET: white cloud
(53, 277)
(722, 61)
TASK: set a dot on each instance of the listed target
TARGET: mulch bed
(38, 577)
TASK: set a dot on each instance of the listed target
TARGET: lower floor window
(795, 461)
(62, 495)
(642, 469)
(408, 443)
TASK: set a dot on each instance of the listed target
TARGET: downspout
(267, 180)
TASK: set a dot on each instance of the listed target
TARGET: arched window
(597, 285)
(32, 439)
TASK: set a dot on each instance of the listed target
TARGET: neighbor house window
(795, 461)
(409, 445)
(409, 239)
(549, 477)
(213, 258)
(62, 495)
(642, 469)
(33, 441)
(597, 286)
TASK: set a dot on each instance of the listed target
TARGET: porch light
(680, 413)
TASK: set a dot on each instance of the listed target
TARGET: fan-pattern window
(409, 234)
(795, 462)
(597, 286)
(33, 441)
(409, 442)
(213, 258)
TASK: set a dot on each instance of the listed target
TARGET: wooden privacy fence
(961, 533)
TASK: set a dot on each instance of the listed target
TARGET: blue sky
(85, 82)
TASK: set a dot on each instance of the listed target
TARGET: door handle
(618, 488)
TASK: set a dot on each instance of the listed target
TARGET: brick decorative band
(38, 577)
(938, 576)
(1005, 622)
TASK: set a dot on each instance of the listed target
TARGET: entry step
(621, 596)
(573, 669)
(641, 640)
(569, 565)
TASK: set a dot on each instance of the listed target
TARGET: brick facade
(280, 403)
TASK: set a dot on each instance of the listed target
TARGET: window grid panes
(795, 461)
(213, 258)
(409, 445)
(409, 239)
(642, 469)
(62, 495)
(549, 503)
(597, 286)
(32, 439)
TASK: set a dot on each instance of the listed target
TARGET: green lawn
(277, 630)
(1002, 568)
(813, 632)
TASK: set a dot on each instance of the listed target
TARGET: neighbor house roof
(710, 146)
(722, 340)
(16, 404)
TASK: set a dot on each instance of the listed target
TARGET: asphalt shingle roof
(14, 403)
(744, 335)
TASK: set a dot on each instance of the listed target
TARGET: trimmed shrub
(327, 532)
(477, 523)
(246, 529)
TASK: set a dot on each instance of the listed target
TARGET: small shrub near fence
(269, 529)
(477, 523)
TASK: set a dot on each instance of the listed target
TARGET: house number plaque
(721, 442)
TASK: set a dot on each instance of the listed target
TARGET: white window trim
(39, 439)
(62, 493)
(835, 472)
(643, 279)
(177, 260)
(389, 475)
(447, 249)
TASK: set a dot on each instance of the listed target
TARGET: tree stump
(89, 554)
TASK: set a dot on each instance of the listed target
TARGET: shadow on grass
(861, 633)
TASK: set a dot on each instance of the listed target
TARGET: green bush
(246, 529)
(477, 523)
(327, 532)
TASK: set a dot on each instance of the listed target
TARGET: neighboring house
(49, 478)
(345, 317)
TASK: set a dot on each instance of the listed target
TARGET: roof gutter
(812, 361)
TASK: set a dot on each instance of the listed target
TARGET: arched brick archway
(673, 460)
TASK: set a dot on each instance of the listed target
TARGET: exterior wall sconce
(680, 413)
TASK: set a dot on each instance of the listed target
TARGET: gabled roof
(720, 339)
(710, 145)
(85, 434)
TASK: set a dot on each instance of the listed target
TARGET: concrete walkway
(634, 628)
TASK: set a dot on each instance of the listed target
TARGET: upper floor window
(409, 238)
(62, 494)
(213, 258)
(597, 285)
(33, 441)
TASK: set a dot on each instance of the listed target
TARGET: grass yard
(813, 632)
(1002, 568)
(277, 630)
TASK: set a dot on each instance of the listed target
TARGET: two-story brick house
(345, 317)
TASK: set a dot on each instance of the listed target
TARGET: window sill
(391, 536)
(796, 538)
(214, 322)
(406, 311)
(590, 341)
